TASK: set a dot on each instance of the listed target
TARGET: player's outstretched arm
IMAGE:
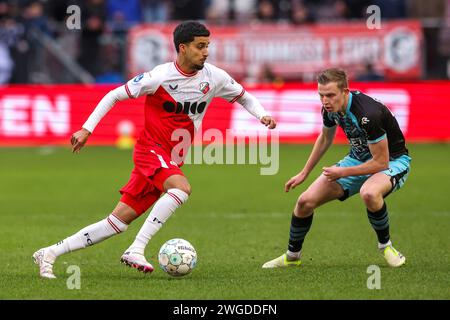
(252, 105)
(78, 139)
(323, 142)
(269, 122)
(295, 181)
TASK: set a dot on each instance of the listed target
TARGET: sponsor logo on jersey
(185, 107)
(175, 87)
(138, 78)
(204, 87)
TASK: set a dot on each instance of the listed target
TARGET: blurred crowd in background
(32, 30)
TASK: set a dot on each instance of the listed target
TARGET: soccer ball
(177, 257)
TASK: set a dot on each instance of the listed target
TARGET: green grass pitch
(236, 218)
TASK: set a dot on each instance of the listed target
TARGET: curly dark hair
(186, 31)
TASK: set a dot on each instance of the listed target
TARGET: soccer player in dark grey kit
(377, 164)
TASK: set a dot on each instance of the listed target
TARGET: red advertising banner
(48, 115)
(292, 52)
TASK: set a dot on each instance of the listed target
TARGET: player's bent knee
(177, 182)
(124, 213)
(186, 188)
(116, 223)
(369, 196)
(180, 195)
(305, 203)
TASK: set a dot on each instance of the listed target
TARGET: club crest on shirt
(204, 87)
(364, 120)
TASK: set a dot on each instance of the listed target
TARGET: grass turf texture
(235, 218)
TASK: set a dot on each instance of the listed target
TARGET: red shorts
(152, 166)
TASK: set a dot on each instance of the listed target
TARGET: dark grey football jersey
(367, 121)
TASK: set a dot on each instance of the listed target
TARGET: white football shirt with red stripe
(177, 100)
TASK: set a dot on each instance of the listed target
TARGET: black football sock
(380, 223)
(299, 229)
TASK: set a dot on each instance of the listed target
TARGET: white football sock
(90, 235)
(161, 211)
(293, 255)
(382, 246)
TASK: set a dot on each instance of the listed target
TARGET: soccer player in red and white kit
(177, 97)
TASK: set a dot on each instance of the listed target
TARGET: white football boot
(45, 260)
(136, 260)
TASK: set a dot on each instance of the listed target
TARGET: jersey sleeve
(144, 84)
(327, 122)
(373, 126)
(228, 88)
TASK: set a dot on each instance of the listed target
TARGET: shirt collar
(350, 98)
(184, 73)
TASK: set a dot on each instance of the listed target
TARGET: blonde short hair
(333, 75)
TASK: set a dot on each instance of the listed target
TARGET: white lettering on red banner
(33, 115)
(292, 52)
(27, 116)
(298, 111)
